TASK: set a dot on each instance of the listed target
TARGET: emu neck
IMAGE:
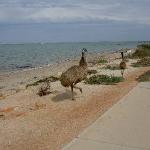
(122, 55)
(83, 61)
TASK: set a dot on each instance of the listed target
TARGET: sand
(30, 122)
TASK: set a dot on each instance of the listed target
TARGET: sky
(74, 20)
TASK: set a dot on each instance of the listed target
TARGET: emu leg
(122, 72)
(72, 92)
(78, 88)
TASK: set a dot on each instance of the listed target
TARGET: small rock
(38, 105)
(2, 116)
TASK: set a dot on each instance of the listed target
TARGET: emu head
(83, 58)
(84, 50)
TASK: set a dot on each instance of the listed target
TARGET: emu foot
(81, 90)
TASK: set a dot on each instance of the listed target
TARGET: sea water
(28, 55)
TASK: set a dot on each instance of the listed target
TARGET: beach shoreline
(55, 69)
(92, 56)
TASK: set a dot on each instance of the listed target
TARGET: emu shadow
(63, 96)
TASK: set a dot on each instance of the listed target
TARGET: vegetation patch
(142, 50)
(112, 67)
(45, 89)
(102, 60)
(144, 46)
(91, 72)
(103, 79)
(144, 62)
(144, 77)
(47, 79)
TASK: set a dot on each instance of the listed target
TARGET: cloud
(85, 11)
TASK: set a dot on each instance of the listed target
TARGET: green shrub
(103, 79)
(51, 79)
(112, 67)
(102, 61)
(142, 50)
(144, 62)
(92, 72)
(144, 46)
(144, 77)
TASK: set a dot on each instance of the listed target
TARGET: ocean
(30, 55)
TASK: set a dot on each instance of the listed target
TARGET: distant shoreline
(47, 65)
(18, 57)
(69, 60)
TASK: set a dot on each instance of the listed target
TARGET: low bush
(144, 77)
(144, 46)
(103, 79)
(144, 62)
(142, 50)
(45, 89)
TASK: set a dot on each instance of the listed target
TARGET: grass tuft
(144, 77)
(103, 79)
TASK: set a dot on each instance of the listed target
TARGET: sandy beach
(28, 121)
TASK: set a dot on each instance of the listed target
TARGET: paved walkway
(126, 126)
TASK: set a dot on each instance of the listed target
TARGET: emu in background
(122, 64)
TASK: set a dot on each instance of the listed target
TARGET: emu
(75, 74)
(122, 64)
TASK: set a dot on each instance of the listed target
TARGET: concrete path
(126, 126)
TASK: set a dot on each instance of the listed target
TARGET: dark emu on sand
(75, 74)
(122, 64)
